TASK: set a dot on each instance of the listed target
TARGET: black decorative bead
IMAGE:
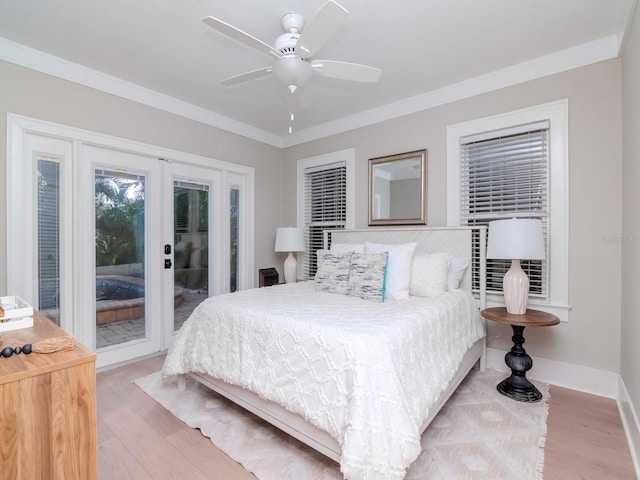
(8, 351)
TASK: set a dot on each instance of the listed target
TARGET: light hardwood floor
(140, 440)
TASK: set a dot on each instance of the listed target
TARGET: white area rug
(479, 434)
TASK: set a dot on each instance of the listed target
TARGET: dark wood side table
(517, 386)
(268, 277)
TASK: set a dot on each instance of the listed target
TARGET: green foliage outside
(119, 207)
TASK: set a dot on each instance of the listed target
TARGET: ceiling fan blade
(239, 35)
(346, 71)
(322, 26)
(243, 77)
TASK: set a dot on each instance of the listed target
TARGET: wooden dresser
(47, 409)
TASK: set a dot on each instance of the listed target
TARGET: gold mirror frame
(398, 189)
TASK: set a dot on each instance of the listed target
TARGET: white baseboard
(568, 375)
(631, 424)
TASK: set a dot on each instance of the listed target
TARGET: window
(324, 208)
(191, 207)
(504, 174)
(515, 165)
(325, 201)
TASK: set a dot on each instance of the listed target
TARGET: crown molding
(588, 53)
(24, 56)
(625, 22)
(581, 55)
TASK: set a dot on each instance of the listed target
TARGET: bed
(355, 379)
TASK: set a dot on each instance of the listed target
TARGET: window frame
(348, 157)
(557, 113)
(514, 154)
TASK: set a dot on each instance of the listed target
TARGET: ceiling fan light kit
(293, 72)
(293, 50)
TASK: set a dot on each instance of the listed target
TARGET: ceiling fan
(293, 50)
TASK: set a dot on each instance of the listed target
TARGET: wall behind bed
(591, 338)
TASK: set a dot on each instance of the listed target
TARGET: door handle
(167, 263)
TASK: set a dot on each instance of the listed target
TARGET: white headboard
(458, 241)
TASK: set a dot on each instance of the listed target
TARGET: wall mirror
(398, 189)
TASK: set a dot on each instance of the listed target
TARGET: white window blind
(49, 233)
(505, 174)
(325, 208)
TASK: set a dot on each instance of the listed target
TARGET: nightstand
(517, 386)
(268, 277)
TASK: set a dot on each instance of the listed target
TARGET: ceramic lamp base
(515, 286)
(290, 268)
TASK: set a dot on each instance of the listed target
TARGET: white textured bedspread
(365, 372)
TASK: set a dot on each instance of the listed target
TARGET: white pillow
(347, 248)
(366, 276)
(398, 274)
(429, 274)
(333, 272)
(456, 272)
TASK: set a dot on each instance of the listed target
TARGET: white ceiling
(430, 51)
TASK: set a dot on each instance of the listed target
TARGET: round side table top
(531, 318)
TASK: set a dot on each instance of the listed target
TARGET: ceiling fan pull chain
(291, 119)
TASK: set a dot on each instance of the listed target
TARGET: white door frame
(21, 219)
(98, 157)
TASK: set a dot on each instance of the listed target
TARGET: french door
(118, 245)
(120, 225)
(193, 237)
(153, 247)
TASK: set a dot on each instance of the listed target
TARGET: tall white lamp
(289, 239)
(516, 239)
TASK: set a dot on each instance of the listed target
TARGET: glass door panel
(234, 232)
(120, 253)
(48, 199)
(46, 214)
(191, 197)
(191, 248)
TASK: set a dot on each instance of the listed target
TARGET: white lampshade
(516, 238)
(289, 239)
(293, 72)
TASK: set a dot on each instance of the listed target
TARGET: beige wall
(26, 92)
(630, 355)
(592, 335)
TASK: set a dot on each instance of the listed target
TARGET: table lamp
(289, 239)
(516, 239)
